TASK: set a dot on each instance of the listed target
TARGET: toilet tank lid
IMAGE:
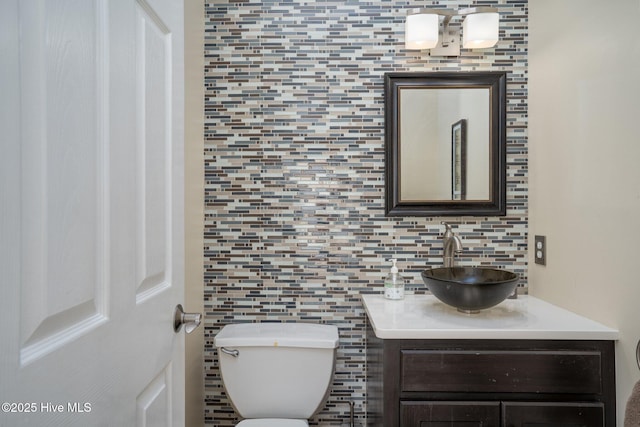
(273, 422)
(306, 335)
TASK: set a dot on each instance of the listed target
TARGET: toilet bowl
(277, 374)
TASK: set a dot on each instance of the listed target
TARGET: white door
(91, 176)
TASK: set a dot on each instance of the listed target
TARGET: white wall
(584, 152)
(194, 206)
(474, 106)
(419, 135)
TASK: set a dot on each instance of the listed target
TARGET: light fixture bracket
(449, 39)
(448, 43)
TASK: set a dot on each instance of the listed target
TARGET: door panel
(91, 257)
(154, 404)
(64, 205)
(153, 142)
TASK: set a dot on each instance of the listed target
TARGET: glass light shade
(421, 31)
(480, 30)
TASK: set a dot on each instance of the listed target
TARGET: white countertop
(425, 317)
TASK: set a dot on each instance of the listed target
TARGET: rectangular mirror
(445, 144)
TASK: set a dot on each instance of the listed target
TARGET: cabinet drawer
(546, 371)
(449, 414)
(521, 414)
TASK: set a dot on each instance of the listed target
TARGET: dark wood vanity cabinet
(502, 383)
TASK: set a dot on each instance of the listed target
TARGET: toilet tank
(277, 370)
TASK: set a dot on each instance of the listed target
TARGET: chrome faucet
(452, 246)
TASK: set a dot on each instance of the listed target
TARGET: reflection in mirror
(444, 144)
(445, 148)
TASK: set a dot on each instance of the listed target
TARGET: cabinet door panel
(449, 414)
(539, 414)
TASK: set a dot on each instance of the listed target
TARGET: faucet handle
(447, 231)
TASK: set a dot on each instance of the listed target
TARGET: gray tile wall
(294, 161)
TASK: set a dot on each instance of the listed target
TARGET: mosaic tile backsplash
(294, 162)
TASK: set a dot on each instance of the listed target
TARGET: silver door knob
(189, 320)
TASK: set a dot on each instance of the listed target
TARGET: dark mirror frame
(496, 82)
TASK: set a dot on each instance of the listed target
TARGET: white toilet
(277, 374)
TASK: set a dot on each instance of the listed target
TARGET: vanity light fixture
(479, 30)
